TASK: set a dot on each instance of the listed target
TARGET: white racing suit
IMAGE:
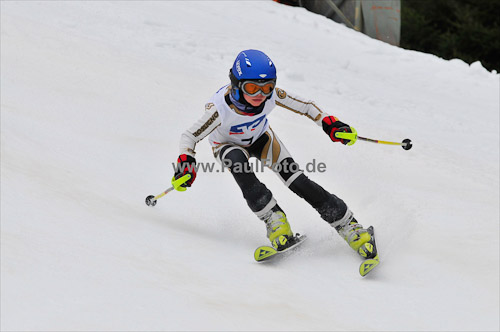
(236, 136)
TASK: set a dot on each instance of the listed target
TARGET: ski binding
(369, 249)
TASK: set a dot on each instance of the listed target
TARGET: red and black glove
(331, 125)
(186, 165)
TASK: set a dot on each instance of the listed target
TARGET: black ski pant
(259, 198)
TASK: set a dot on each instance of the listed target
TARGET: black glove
(186, 165)
(331, 125)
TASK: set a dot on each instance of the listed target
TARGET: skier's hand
(186, 165)
(331, 126)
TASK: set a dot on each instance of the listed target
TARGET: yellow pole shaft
(164, 193)
(378, 141)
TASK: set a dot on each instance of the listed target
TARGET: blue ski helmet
(250, 65)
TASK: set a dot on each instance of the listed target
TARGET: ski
(267, 253)
(369, 249)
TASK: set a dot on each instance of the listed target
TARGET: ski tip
(263, 253)
(368, 265)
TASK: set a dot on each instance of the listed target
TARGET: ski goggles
(253, 88)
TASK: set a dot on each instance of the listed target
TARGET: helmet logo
(247, 61)
(263, 75)
(238, 68)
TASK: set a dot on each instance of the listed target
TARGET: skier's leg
(331, 208)
(259, 198)
(273, 153)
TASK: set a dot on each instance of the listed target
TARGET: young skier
(235, 120)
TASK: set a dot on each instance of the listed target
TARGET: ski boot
(279, 231)
(358, 238)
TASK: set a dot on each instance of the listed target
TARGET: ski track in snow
(94, 97)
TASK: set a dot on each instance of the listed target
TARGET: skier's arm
(199, 130)
(300, 106)
(329, 123)
(202, 128)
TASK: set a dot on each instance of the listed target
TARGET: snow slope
(94, 97)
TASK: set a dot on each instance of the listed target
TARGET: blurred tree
(464, 29)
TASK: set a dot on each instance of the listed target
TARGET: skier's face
(255, 101)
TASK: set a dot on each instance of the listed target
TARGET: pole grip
(352, 136)
(344, 135)
(177, 184)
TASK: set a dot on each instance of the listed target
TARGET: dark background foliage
(464, 29)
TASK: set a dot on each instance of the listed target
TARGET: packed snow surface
(94, 98)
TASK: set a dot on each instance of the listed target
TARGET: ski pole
(405, 144)
(151, 199)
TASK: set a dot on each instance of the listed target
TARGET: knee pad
(288, 171)
(232, 156)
